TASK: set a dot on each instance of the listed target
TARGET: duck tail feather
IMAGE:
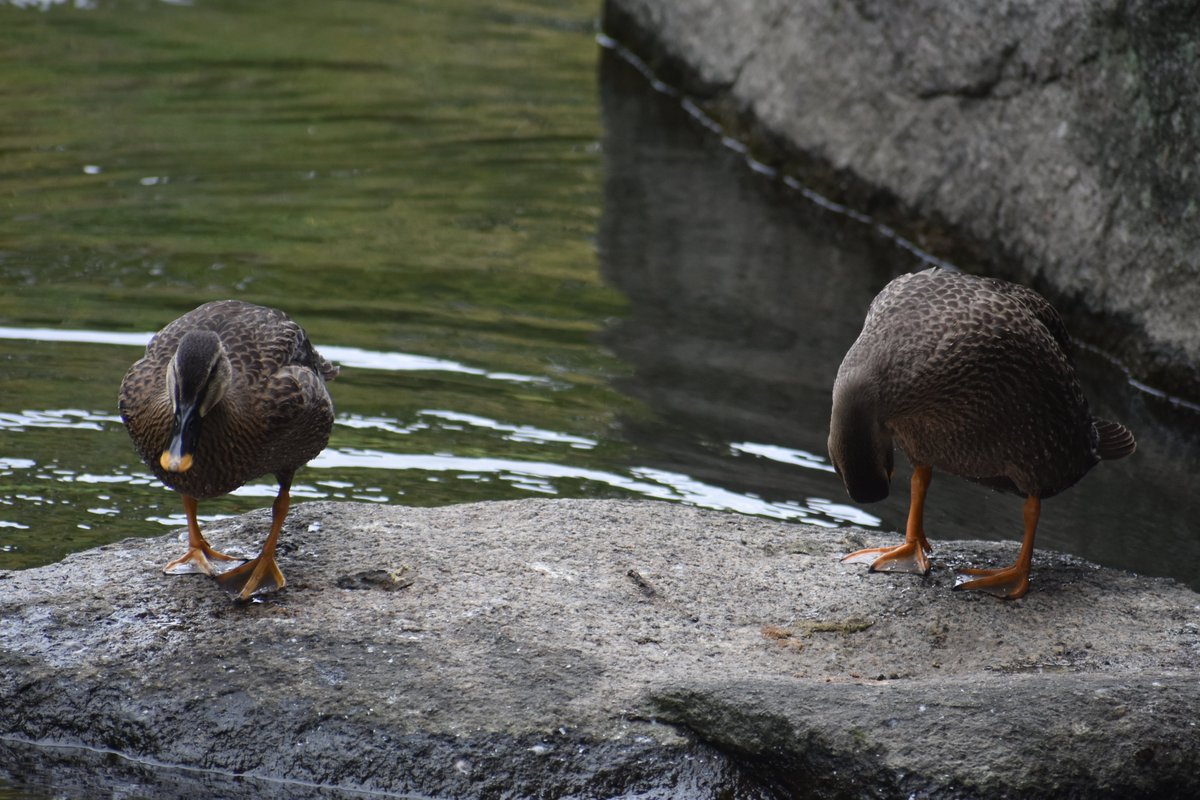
(1114, 440)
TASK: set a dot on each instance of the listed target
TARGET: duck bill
(181, 449)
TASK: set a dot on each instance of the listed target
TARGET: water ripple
(784, 455)
(345, 356)
(516, 433)
(73, 418)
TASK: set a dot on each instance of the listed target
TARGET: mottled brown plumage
(225, 394)
(972, 376)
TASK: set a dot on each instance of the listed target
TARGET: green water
(405, 179)
(411, 177)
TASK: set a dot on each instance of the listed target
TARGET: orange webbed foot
(198, 558)
(907, 557)
(910, 556)
(1008, 583)
(1012, 582)
(199, 553)
(260, 575)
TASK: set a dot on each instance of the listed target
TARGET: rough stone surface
(1054, 143)
(567, 648)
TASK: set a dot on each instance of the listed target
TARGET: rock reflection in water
(743, 298)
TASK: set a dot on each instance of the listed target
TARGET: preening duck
(972, 376)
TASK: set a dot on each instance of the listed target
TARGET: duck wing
(1038, 307)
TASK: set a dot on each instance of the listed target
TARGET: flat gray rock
(568, 648)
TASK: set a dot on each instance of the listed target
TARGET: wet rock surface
(593, 649)
(1049, 143)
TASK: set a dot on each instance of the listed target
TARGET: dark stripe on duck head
(196, 381)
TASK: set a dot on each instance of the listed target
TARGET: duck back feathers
(974, 376)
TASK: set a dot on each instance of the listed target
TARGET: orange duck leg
(262, 573)
(199, 551)
(1006, 582)
(911, 555)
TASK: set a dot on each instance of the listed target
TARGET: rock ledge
(594, 649)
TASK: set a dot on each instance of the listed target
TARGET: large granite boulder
(1053, 143)
(592, 649)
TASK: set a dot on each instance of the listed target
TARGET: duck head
(197, 379)
(860, 446)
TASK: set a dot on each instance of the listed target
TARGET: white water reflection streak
(542, 477)
(642, 481)
(344, 356)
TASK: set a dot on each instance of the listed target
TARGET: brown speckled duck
(972, 376)
(225, 394)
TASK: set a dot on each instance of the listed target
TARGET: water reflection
(344, 356)
(744, 296)
(514, 433)
(373, 457)
(554, 479)
(68, 418)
